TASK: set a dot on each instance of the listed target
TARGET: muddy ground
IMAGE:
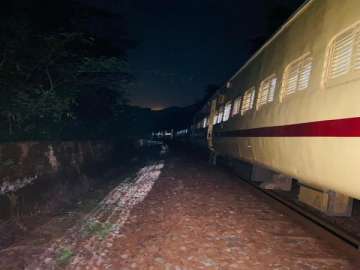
(175, 212)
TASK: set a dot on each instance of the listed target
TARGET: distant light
(158, 108)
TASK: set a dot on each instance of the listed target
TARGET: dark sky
(185, 45)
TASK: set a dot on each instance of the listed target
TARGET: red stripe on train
(349, 127)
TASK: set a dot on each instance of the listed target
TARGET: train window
(236, 107)
(344, 53)
(220, 115)
(227, 111)
(205, 122)
(266, 91)
(357, 51)
(248, 100)
(341, 52)
(297, 76)
(304, 73)
(215, 118)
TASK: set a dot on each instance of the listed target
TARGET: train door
(211, 125)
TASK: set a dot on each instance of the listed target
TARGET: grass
(64, 256)
(88, 204)
(8, 163)
(94, 227)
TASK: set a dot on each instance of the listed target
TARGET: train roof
(297, 13)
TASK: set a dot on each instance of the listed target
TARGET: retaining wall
(29, 169)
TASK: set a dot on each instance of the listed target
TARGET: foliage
(64, 256)
(94, 227)
(7, 163)
(49, 74)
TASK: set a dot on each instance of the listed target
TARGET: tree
(48, 65)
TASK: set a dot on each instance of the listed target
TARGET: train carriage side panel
(323, 154)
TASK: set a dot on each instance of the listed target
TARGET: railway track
(323, 229)
(305, 245)
(202, 217)
(291, 204)
(342, 234)
(198, 216)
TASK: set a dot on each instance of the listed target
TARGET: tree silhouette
(49, 61)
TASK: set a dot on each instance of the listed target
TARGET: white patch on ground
(114, 210)
(14, 185)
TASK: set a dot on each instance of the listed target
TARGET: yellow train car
(294, 107)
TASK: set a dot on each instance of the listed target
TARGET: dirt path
(200, 217)
(182, 214)
(89, 243)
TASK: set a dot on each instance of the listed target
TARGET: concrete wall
(33, 165)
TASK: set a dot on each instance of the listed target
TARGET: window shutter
(304, 74)
(220, 115)
(341, 54)
(272, 89)
(252, 99)
(292, 79)
(357, 50)
(236, 107)
(266, 91)
(215, 119)
(263, 92)
(227, 111)
(205, 122)
(248, 100)
(297, 76)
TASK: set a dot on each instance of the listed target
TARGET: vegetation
(97, 228)
(58, 78)
(63, 257)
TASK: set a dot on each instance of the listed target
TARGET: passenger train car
(294, 107)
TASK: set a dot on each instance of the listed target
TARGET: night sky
(184, 45)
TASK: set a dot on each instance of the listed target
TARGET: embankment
(36, 173)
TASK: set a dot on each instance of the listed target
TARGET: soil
(176, 213)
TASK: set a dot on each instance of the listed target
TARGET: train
(294, 106)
